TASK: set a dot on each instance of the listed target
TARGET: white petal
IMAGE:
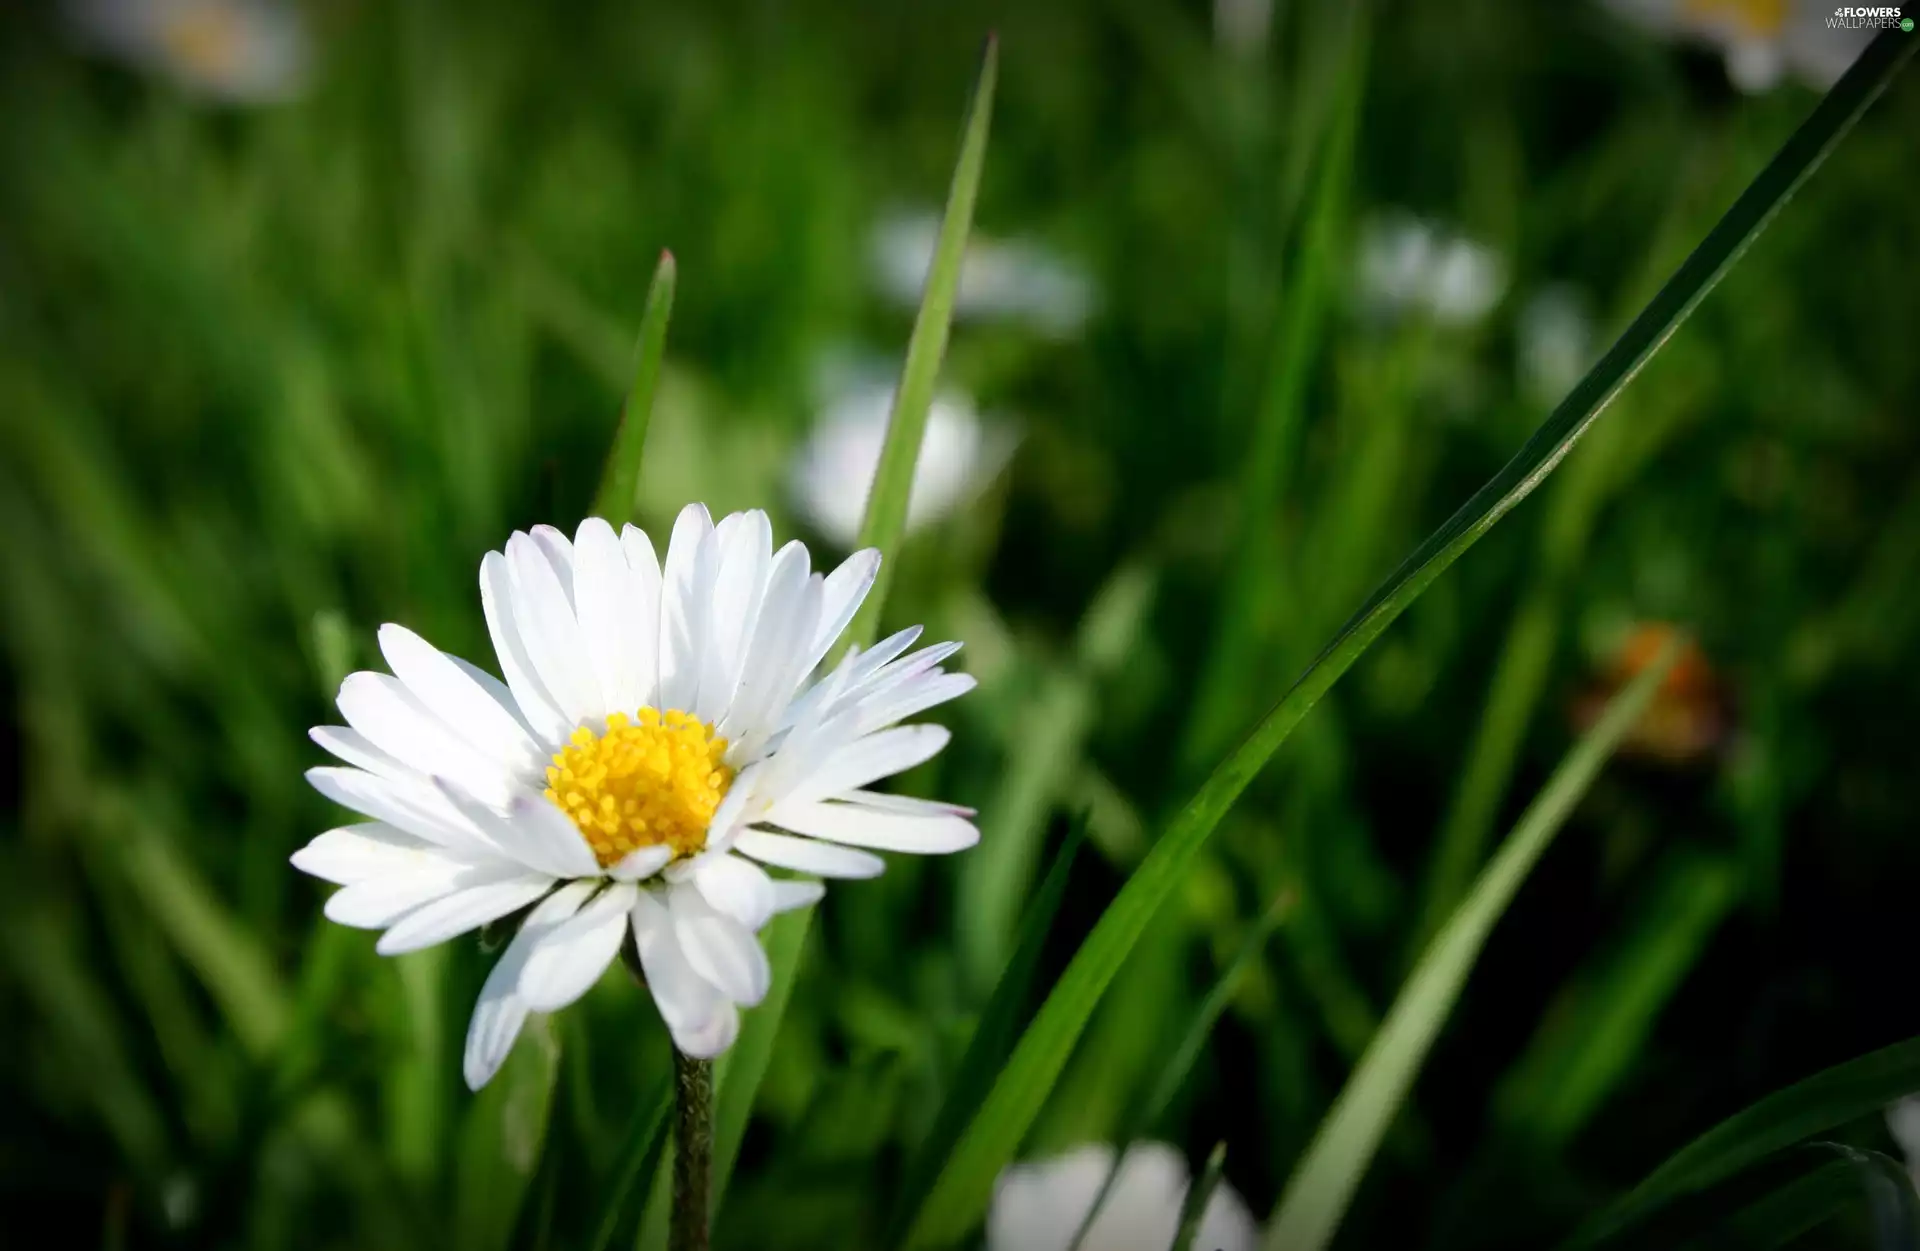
(474, 713)
(608, 602)
(500, 1012)
(702, 1021)
(845, 589)
(685, 592)
(719, 948)
(464, 910)
(912, 699)
(867, 760)
(353, 747)
(559, 553)
(907, 804)
(355, 853)
(736, 887)
(789, 894)
(416, 807)
(382, 709)
(550, 632)
(855, 826)
(536, 703)
(863, 666)
(739, 585)
(645, 569)
(532, 832)
(788, 615)
(381, 901)
(804, 855)
(568, 961)
(641, 863)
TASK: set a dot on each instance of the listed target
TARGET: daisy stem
(692, 1151)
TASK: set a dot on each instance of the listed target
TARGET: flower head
(1014, 280)
(835, 469)
(1410, 265)
(658, 744)
(1040, 1206)
(1761, 40)
(241, 51)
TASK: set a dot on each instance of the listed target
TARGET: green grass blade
(1193, 1209)
(741, 1069)
(621, 479)
(1843, 1093)
(886, 515)
(1004, 1117)
(1183, 1056)
(1323, 1182)
(1597, 1026)
(992, 1038)
(639, 1157)
(500, 1142)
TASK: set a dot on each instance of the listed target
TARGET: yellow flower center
(1753, 17)
(649, 781)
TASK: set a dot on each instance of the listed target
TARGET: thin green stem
(692, 1152)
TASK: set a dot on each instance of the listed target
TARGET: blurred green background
(270, 376)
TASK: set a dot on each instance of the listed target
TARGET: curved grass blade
(1782, 1201)
(1843, 1093)
(1193, 1209)
(1174, 1076)
(886, 514)
(1324, 1181)
(639, 1157)
(621, 479)
(1003, 1119)
(992, 1038)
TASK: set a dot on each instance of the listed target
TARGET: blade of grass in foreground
(1180, 1062)
(1843, 1093)
(885, 520)
(501, 1141)
(886, 515)
(993, 1036)
(1324, 1181)
(639, 1157)
(1004, 1117)
(621, 479)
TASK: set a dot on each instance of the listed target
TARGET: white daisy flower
(1554, 342)
(1410, 265)
(832, 475)
(657, 745)
(1761, 40)
(1013, 280)
(1903, 1122)
(242, 51)
(1040, 1206)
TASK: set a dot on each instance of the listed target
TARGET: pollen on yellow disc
(649, 781)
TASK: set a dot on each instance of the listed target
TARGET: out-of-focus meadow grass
(269, 378)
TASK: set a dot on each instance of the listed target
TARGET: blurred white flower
(1554, 342)
(1039, 1206)
(1761, 40)
(1903, 1121)
(1410, 265)
(959, 454)
(241, 51)
(658, 739)
(1241, 26)
(1014, 280)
